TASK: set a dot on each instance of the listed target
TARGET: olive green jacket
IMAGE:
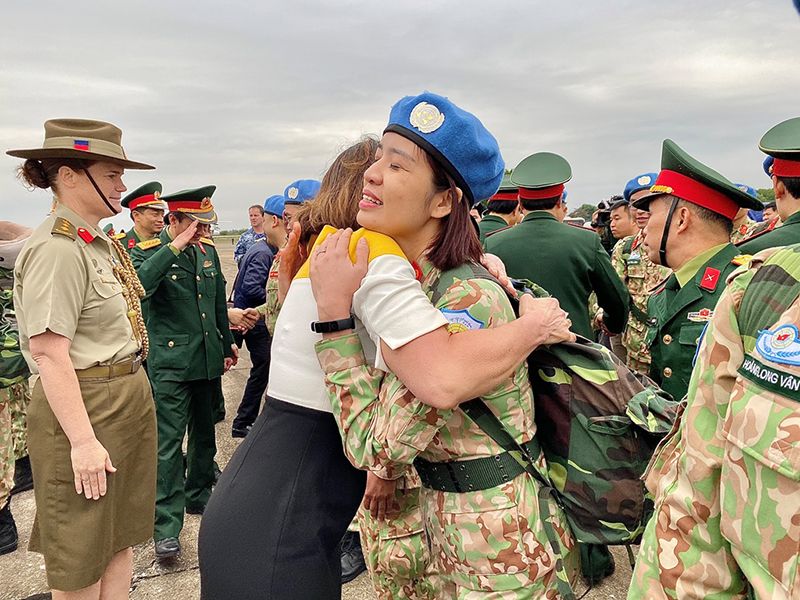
(129, 240)
(677, 317)
(187, 315)
(785, 235)
(569, 262)
(490, 224)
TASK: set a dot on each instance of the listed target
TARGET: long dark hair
(457, 241)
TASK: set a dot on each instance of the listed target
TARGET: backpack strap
(773, 289)
(477, 410)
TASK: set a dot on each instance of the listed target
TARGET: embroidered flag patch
(81, 145)
(780, 346)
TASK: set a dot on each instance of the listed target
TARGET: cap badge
(644, 180)
(292, 193)
(156, 195)
(743, 188)
(426, 117)
(205, 204)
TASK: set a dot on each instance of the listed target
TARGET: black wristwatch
(332, 326)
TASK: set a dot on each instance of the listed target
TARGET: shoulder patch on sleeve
(63, 227)
(207, 241)
(461, 320)
(147, 244)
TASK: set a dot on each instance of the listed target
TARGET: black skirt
(272, 527)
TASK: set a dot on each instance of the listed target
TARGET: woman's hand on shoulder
(90, 461)
(334, 277)
(546, 319)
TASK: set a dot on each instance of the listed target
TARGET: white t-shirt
(390, 306)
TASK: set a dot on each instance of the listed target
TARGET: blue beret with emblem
(455, 138)
(274, 205)
(747, 189)
(641, 182)
(301, 191)
(767, 164)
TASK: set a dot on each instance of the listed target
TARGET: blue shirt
(249, 290)
(247, 239)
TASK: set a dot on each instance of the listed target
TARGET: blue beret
(768, 165)
(274, 205)
(301, 191)
(747, 189)
(641, 182)
(564, 196)
(455, 138)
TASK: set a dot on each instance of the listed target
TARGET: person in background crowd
(502, 209)
(91, 421)
(770, 212)
(192, 346)
(147, 214)
(249, 291)
(743, 226)
(253, 234)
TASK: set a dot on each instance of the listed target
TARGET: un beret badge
(292, 193)
(426, 117)
(644, 180)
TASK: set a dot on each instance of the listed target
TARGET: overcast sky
(251, 95)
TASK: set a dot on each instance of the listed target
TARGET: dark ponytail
(43, 173)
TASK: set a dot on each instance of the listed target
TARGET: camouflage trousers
(396, 551)
(6, 447)
(19, 399)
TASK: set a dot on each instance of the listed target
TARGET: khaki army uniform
(727, 481)
(640, 275)
(481, 541)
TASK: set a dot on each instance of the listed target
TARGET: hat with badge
(750, 191)
(195, 204)
(641, 182)
(301, 191)
(455, 138)
(274, 205)
(767, 165)
(146, 196)
(782, 143)
(685, 177)
(507, 190)
(81, 138)
(541, 176)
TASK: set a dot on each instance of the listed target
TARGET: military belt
(126, 367)
(472, 475)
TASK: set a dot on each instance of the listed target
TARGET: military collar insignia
(426, 117)
(292, 193)
(131, 243)
(780, 346)
(710, 279)
(700, 316)
(85, 235)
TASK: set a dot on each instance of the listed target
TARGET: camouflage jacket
(727, 480)
(13, 368)
(272, 307)
(247, 239)
(476, 537)
(744, 231)
(640, 275)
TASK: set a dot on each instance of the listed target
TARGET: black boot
(352, 557)
(23, 477)
(8, 530)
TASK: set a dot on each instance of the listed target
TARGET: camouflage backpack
(598, 424)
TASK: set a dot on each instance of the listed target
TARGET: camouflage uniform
(489, 543)
(247, 239)
(744, 231)
(14, 393)
(640, 275)
(272, 306)
(727, 480)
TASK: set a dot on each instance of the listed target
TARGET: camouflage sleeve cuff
(340, 353)
(262, 309)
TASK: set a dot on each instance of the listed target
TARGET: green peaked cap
(674, 158)
(194, 203)
(541, 170)
(506, 185)
(147, 195)
(783, 140)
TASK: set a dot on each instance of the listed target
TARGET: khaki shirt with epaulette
(64, 282)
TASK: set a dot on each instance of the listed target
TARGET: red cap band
(786, 168)
(553, 191)
(686, 188)
(191, 206)
(505, 196)
(141, 200)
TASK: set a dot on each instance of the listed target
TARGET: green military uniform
(189, 336)
(680, 307)
(495, 222)
(489, 224)
(146, 196)
(785, 235)
(569, 262)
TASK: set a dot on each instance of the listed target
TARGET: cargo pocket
(210, 282)
(170, 351)
(176, 284)
(760, 481)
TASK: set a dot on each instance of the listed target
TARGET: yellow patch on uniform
(379, 245)
(64, 227)
(147, 244)
(742, 259)
(207, 241)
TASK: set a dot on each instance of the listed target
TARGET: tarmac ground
(22, 574)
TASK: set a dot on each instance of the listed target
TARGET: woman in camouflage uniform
(434, 162)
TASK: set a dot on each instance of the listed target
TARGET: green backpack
(597, 422)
